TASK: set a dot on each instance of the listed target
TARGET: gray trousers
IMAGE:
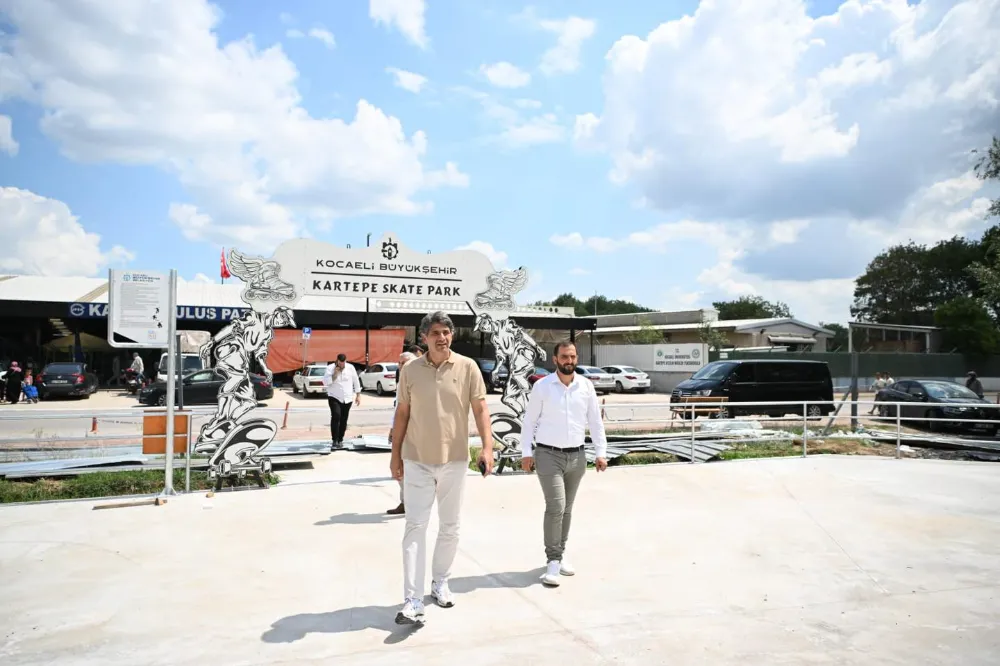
(560, 475)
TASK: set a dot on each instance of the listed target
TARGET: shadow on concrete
(296, 627)
(356, 519)
(369, 481)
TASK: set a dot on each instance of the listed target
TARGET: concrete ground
(822, 560)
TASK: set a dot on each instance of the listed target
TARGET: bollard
(603, 416)
(284, 421)
(692, 433)
(93, 424)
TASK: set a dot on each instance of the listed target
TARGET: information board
(683, 357)
(140, 309)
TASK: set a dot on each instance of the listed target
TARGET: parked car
(537, 374)
(309, 380)
(628, 378)
(65, 379)
(201, 388)
(191, 363)
(486, 366)
(760, 381)
(603, 382)
(935, 399)
(380, 378)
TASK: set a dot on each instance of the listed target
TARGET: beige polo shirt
(440, 402)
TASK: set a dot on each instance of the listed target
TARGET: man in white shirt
(561, 406)
(342, 387)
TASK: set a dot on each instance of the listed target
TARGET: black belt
(573, 449)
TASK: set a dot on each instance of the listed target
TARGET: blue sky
(669, 153)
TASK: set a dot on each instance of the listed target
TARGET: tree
(987, 271)
(647, 333)
(839, 340)
(968, 327)
(711, 336)
(905, 284)
(605, 306)
(751, 307)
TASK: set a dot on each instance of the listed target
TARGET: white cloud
(407, 16)
(855, 127)
(203, 279)
(409, 81)
(7, 143)
(450, 176)
(496, 257)
(505, 75)
(151, 85)
(40, 236)
(319, 34)
(579, 271)
(518, 129)
(540, 129)
(570, 33)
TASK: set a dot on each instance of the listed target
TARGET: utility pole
(368, 243)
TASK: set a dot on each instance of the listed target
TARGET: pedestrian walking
(973, 384)
(12, 383)
(561, 407)
(877, 386)
(404, 358)
(430, 454)
(343, 386)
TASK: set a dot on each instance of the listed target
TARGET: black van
(758, 380)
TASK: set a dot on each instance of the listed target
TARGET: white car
(380, 378)
(309, 381)
(603, 382)
(628, 378)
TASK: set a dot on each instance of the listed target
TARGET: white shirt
(557, 415)
(345, 386)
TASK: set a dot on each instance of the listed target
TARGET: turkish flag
(223, 268)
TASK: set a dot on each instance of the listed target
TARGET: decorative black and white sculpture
(232, 435)
(514, 348)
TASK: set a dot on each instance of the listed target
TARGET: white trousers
(422, 484)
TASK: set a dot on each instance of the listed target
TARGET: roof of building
(204, 294)
(733, 324)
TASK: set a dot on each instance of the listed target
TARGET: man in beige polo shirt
(430, 453)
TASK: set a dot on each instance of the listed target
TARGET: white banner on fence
(685, 357)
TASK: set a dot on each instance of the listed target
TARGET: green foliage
(905, 284)
(605, 306)
(713, 337)
(839, 340)
(988, 168)
(646, 335)
(968, 327)
(98, 484)
(751, 307)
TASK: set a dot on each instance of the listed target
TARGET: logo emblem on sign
(390, 250)
(77, 310)
(695, 353)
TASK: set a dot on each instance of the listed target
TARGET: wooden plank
(154, 430)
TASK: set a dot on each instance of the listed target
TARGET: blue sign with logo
(184, 312)
(306, 332)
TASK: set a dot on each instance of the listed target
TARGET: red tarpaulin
(287, 347)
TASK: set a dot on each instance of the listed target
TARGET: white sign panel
(306, 333)
(387, 269)
(139, 309)
(686, 357)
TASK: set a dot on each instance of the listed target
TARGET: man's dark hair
(341, 357)
(438, 317)
(560, 345)
(414, 349)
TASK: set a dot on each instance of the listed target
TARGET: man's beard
(566, 368)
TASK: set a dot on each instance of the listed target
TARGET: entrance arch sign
(272, 287)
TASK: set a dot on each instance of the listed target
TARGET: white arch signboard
(236, 439)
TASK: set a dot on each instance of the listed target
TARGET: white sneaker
(566, 569)
(412, 612)
(551, 575)
(442, 594)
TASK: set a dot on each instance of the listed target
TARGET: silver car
(603, 381)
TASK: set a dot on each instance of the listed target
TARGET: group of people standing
(435, 395)
(19, 382)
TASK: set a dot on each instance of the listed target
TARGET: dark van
(758, 380)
